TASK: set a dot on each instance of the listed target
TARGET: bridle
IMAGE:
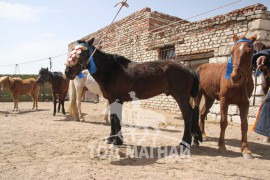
(47, 79)
(73, 58)
(230, 66)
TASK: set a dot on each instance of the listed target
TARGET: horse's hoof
(185, 145)
(195, 142)
(117, 142)
(109, 140)
(64, 115)
(53, 114)
(205, 138)
(247, 156)
(222, 148)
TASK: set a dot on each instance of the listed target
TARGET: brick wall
(140, 36)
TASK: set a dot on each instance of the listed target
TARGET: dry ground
(36, 145)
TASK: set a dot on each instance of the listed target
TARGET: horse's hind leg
(35, 99)
(208, 102)
(59, 104)
(54, 104)
(244, 127)
(186, 110)
(62, 101)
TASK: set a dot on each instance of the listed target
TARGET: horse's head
(242, 53)
(6, 82)
(43, 76)
(78, 59)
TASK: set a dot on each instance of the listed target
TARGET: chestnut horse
(236, 88)
(59, 85)
(117, 76)
(19, 87)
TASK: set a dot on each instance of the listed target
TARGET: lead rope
(123, 3)
(256, 83)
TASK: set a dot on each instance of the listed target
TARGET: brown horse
(59, 85)
(235, 90)
(19, 87)
(117, 76)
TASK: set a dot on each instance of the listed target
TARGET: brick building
(149, 35)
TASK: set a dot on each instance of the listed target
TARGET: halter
(73, 58)
(47, 79)
(230, 65)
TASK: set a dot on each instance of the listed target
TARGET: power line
(49, 58)
(206, 12)
(28, 62)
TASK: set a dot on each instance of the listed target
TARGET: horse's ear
(47, 69)
(11, 81)
(253, 38)
(235, 38)
(90, 42)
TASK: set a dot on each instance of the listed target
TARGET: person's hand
(261, 60)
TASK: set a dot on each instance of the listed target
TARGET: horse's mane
(115, 57)
(55, 74)
(17, 78)
(5, 78)
(119, 59)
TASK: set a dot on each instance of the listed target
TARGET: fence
(45, 93)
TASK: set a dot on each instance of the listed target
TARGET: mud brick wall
(140, 36)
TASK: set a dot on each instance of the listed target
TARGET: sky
(34, 30)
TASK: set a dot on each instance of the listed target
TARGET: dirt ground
(37, 145)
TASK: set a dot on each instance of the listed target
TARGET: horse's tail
(195, 116)
(73, 109)
(195, 85)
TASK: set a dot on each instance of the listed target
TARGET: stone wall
(140, 36)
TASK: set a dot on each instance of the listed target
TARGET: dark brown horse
(59, 84)
(117, 76)
(235, 90)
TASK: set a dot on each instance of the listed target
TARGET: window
(167, 53)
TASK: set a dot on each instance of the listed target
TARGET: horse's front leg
(79, 103)
(14, 103)
(243, 107)
(106, 115)
(54, 103)
(15, 99)
(223, 123)
(116, 137)
(62, 102)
